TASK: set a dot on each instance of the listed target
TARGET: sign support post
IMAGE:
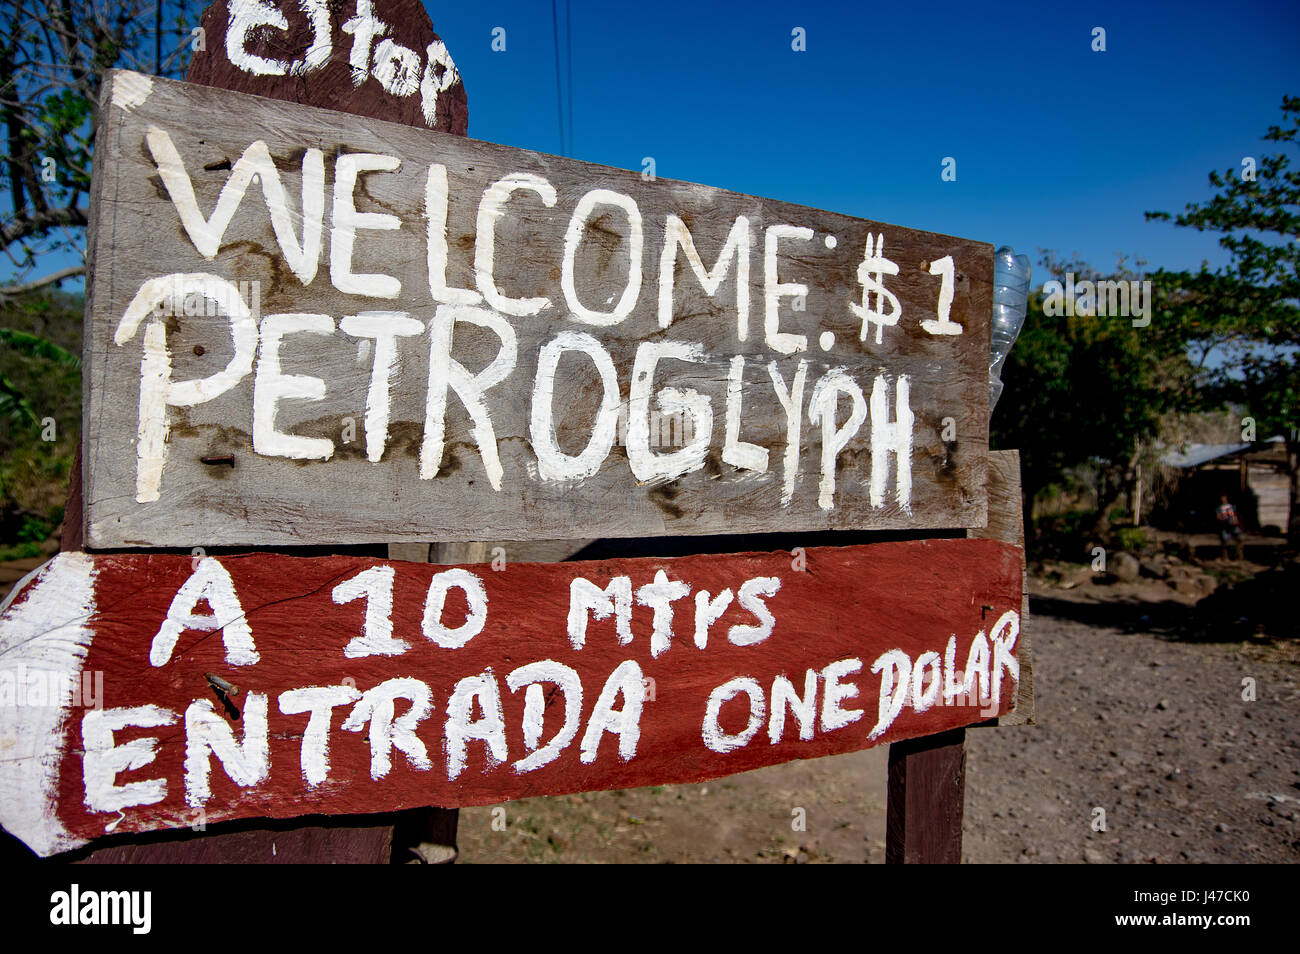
(927, 776)
(925, 801)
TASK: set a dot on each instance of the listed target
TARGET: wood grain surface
(186, 466)
(1006, 523)
(144, 692)
(398, 47)
(925, 800)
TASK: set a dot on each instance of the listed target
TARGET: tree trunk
(1293, 467)
(1109, 492)
(1105, 503)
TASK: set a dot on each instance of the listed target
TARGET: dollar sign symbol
(870, 276)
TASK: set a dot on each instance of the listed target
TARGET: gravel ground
(1152, 730)
(1133, 720)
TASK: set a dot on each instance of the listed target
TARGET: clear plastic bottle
(1010, 300)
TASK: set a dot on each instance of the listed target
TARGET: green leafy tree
(53, 54)
(1091, 390)
(13, 404)
(1249, 309)
(40, 413)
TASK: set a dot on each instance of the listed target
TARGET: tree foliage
(1091, 390)
(40, 406)
(53, 55)
(1249, 309)
(52, 59)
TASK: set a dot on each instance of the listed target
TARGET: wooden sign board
(308, 327)
(376, 58)
(142, 692)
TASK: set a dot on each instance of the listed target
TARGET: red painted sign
(143, 692)
(375, 58)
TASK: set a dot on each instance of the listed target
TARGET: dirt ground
(1151, 729)
(1141, 715)
(751, 817)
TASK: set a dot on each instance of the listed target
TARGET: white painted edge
(20, 586)
(47, 630)
(130, 90)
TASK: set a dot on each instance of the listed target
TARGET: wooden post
(927, 776)
(927, 792)
(429, 834)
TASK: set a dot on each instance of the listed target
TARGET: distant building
(1254, 476)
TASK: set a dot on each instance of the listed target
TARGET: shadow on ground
(1259, 608)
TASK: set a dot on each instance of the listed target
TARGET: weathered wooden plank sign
(305, 327)
(141, 692)
(376, 58)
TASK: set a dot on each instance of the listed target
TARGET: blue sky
(1057, 146)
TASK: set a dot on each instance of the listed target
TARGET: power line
(568, 56)
(157, 38)
(559, 90)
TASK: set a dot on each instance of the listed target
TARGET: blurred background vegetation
(1092, 402)
(40, 415)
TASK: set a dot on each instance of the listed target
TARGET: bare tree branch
(53, 55)
(34, 223)
(8, 291)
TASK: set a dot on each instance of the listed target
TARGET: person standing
(1229, 527)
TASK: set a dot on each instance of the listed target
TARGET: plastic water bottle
(1010, 301)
